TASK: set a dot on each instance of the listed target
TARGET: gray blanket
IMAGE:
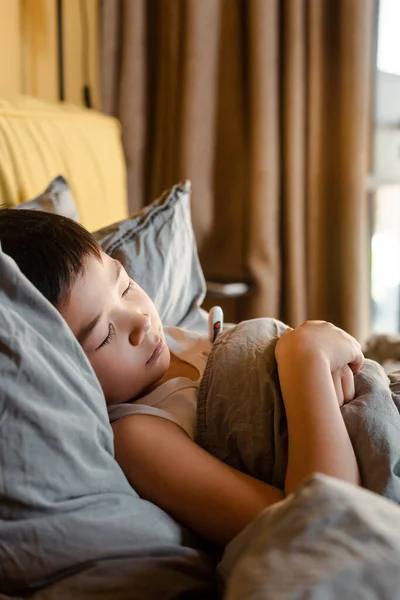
(329, 540)
(241, 418)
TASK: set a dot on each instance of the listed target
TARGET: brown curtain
(265, 106)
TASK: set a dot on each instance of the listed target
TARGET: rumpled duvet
(241, 418)
(329, 540)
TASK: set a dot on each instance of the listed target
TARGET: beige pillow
(56, 198)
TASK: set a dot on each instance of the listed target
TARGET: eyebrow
(85, 332)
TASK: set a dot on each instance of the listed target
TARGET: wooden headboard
(29, 56)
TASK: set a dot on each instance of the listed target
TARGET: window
(388, 59)
(385, 263)
(385, 180)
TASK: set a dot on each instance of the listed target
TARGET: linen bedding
(72, 527)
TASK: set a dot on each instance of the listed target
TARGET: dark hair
(49, 249)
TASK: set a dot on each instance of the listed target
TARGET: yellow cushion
(40, 140)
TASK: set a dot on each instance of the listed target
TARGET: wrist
(299, 351)
(305, 379)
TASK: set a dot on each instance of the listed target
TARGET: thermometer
(215, 322)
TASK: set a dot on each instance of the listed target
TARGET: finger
(337, 382)
(356, 364)
(347, 383)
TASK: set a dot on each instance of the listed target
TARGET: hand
(322, 339)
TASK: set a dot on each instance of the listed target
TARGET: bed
(70, 524)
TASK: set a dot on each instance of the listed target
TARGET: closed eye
(128, 289)
(110, 335)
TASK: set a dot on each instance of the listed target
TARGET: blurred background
(285, 115)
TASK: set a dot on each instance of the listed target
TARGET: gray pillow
(158, 249)
(56, 198)
(64, 502)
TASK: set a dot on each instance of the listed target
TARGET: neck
(177, 368)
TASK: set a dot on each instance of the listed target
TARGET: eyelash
(111, 330)
(128, 289)
(111, 333)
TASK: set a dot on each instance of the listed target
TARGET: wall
(29, 48)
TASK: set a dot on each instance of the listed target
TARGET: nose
(140, 326)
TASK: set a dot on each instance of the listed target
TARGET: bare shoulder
(144, 428)
(146, 445)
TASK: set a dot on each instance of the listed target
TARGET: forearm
(318, 438)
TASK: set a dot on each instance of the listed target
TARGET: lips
(156, 353)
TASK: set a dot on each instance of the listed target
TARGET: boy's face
(119, 329)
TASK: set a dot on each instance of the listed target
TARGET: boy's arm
(318, 438)
(166, 467)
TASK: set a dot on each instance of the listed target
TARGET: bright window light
(388, 36)
(385, 252)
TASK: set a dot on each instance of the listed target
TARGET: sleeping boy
(152, 378)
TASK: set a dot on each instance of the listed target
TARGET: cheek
(120, 377)
(118, 380)
(108, 366)
(112, 368)
(104, 371)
